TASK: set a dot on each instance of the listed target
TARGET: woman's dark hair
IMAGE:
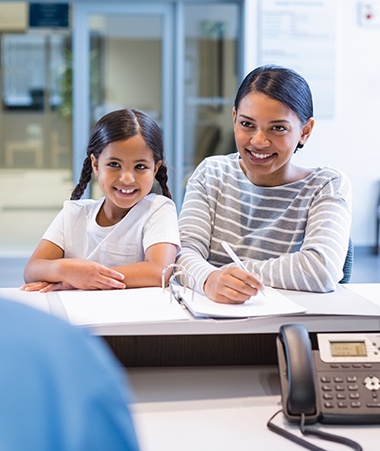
(120, 125)
(282, 84)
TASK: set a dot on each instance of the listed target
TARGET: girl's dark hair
(282, 84)
(120, 125)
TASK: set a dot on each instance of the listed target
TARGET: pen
(235, 258)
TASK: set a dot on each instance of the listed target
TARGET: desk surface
(350, 307)
(238, 342)
(223, 408)
(359, 298)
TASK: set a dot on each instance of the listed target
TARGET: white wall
(350, 140)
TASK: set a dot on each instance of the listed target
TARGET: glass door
(211, 77)
(35, 138)
(129, 65)
(178, 61)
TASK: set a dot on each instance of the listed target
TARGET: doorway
(36, 135)
(179, 62)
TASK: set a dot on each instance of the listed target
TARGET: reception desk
(248, 341)
(144, 327)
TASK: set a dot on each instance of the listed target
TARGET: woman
(290, 225)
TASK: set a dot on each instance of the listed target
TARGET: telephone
(339, 383)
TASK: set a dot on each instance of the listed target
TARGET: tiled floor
(366, 269)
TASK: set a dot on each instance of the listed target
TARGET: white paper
(370, 291)
(272, 304)
(88, 308)
(345, 300)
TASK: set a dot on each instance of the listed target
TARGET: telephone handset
(296, 368)
(337, 384)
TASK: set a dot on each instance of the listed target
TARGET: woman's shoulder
(330, 180)
(328, 174)
(220, 164)
(231, 159)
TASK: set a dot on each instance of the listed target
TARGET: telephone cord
(310, 431)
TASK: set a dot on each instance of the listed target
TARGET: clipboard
(273, 303)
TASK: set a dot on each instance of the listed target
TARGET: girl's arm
(47, 266)
(47, 270)
(149, 272)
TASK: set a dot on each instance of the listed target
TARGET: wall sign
(49, 15)
(300, 35)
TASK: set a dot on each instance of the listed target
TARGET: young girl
(289, 224)
(126, 238)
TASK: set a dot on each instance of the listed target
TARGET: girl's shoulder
(154, 200)
(82, 205)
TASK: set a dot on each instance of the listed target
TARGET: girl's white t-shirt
(152, 220)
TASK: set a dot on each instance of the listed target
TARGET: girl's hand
(45, 287)
(88, 275)
(34, 286)
(75, 273)
(232, 285)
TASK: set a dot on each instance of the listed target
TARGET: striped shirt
(293, 236)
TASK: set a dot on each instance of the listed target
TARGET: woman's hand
(232, 285)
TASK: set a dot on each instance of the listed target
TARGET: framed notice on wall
(301, 35)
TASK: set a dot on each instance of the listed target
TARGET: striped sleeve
(294, 236)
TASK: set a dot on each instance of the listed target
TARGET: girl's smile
(125, 171)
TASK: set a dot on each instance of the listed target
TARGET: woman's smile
(260, 157)
(267, 133)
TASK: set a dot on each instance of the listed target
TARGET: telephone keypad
(349, 386)
(335, 389)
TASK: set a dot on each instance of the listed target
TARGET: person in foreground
(126, 238)
(290, 225)
(60, 388)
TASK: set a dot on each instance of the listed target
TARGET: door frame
(81, 78)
